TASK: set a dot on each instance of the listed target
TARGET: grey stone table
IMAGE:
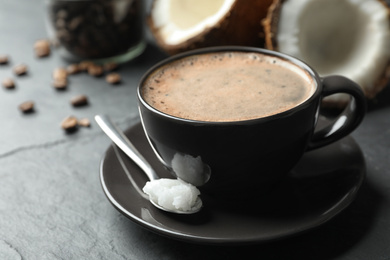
(51, 202)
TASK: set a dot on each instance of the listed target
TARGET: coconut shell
(270, 26)
(240, 26)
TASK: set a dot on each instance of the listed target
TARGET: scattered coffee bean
(113, 78)
(27, 107)
(42, 48)
(20, 69)
(95, 70)
(3, 59)
(60, 84)
(8, 83)
(84, 65)
(111, 66)
(69, 123)
(60, 74)
(73, 69)
(78, 101)
(85, 122)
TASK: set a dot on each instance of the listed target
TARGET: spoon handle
(119, 138)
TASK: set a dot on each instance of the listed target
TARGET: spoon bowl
(118, 137)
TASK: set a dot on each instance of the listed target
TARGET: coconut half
(343, 37)
(181, 25)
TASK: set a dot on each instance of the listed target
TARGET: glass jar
(97, 30)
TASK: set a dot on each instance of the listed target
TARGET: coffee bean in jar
(98, 30)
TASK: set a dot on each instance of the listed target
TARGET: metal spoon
(118, 137)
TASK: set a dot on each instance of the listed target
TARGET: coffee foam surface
(228, 86)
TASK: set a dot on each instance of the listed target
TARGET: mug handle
(348, 120)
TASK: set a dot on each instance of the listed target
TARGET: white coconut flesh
(180, 20)
(344, 37)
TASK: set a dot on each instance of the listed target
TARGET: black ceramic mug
(230, 158)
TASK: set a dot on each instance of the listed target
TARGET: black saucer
(323, 184)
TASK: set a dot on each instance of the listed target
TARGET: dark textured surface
(51, 202)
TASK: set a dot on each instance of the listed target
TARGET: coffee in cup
(231, 120)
